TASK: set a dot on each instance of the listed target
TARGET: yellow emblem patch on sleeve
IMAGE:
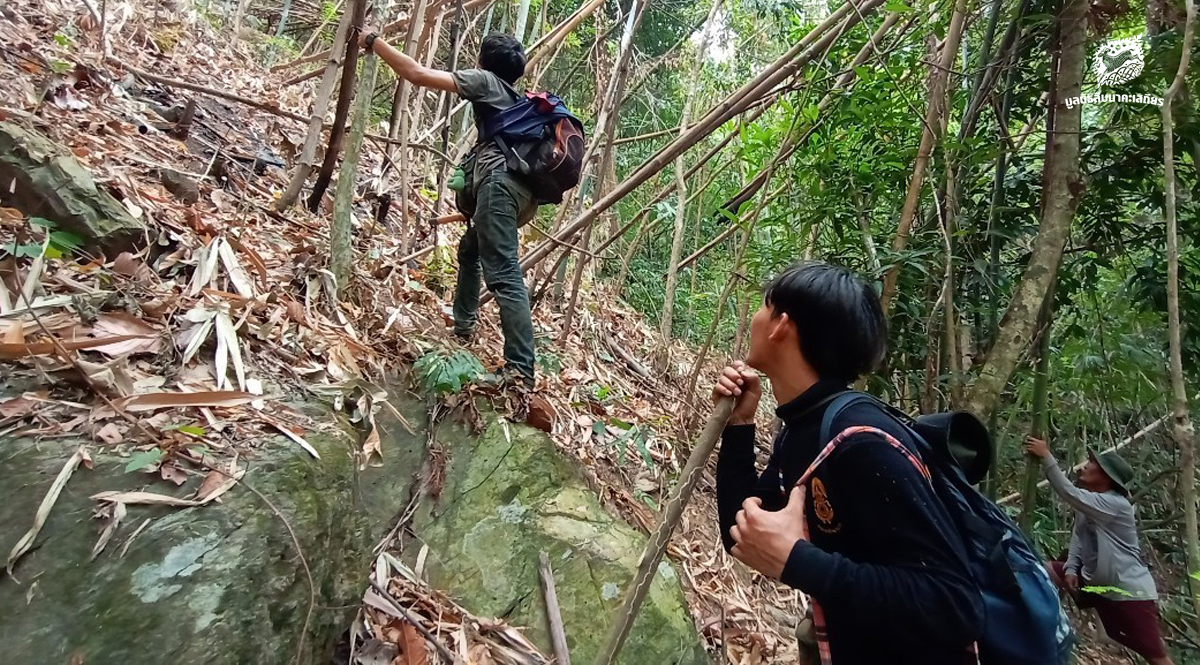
(821, 505)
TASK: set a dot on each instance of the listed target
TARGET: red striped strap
(819, 629)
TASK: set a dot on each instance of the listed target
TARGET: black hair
(843, 333)
(503, 56)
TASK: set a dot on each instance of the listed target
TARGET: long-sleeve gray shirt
(1104, 543)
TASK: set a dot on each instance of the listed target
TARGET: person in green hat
(1104, 553)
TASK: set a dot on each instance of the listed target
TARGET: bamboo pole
(939, 92)
(308, 155)
(657, 545)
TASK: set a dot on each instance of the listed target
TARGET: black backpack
(1024, 624)
(542, 141)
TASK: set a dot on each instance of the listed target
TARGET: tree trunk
(1182, 429)
(283, 17)
(1041, 413)
(522, 20)
(444, 104)
(1061, 191)
(308, 155)
(606, 122)
(400, 126)
(677, 236)
(935, 113)
(358, 12)
(341, 251)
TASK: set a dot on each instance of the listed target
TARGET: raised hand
(737, 380)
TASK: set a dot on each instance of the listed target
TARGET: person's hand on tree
(765, 539)
(742, 383)
(366, 31)
(1037, 447)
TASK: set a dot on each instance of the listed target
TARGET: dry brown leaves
(232, 304)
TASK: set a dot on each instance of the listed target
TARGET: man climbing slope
(880, 553)
(1104, 551)
(502, 201)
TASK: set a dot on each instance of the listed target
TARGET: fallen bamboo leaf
(299, 440)
(146, 499)
(110, 434)
(228, 480)
(259, 266)
(206, 267)
(34, 278)
(129, 541)
(14, 351)
(152, 401)
(110, 529)
(198, 335)
(229, 349)
(22, 405)
(237, 274)
(15, 333)
(44, 509)
(120, 323)
(371, 446)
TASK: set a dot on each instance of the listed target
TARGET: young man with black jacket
(865, 537)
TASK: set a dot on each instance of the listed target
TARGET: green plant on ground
(442, 373)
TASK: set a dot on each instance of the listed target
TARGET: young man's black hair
(841, 325)
(495, 201)
(866, 537)
(503, 56)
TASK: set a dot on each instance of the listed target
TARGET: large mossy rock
(510, 494)
(219, 584)
(41, 179)
(222, 585)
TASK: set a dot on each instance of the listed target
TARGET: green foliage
(61, 243)
(329, 11)
(443, 373)
(1101, 590)
(144, 460)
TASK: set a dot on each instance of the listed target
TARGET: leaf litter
(242, 296)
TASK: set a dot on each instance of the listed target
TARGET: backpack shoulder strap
(838, 404)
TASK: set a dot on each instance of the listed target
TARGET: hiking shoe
(506, 378)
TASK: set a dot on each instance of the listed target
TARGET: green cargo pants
(491, 243)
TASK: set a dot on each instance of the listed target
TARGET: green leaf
(142, 460)
(192, 430)
(61, 39)
(42, 222)
(642, 440)
(66, 241)
(1100, 590)
(897, 6)
(60, 67)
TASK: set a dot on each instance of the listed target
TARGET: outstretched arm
(408, 68)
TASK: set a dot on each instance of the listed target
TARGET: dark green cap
(1115, 467)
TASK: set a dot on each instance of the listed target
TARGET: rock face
(222, 585)
(218, 584)
(509, 494)
(42, 180)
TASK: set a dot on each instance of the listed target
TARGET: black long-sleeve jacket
(885, 560)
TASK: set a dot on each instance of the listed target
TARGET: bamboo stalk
(558, 636)
(657, 545)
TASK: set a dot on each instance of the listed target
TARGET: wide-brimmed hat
(1115, 467)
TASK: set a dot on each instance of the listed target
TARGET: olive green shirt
(488, 94)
